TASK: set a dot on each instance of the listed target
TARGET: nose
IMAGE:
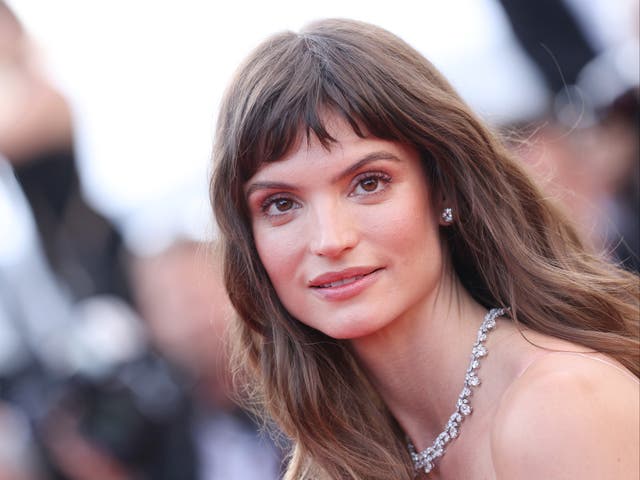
(334, 231)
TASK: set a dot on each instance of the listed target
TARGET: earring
(447, 215)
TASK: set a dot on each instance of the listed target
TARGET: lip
(344, 284)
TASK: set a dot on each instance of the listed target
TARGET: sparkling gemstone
(428, 467)
(466, 392)
(482, 337)
(491, 324)
(456, 418)
(473, 380)
(480, 350)
(465, 409)
(453, 432)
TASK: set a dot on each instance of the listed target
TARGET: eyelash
(269, 201)
(386, 179)
(380, 176)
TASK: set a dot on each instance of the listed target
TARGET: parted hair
(509, 245)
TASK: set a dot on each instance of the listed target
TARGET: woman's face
(348, 236)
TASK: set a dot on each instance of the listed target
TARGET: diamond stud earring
(447, 215)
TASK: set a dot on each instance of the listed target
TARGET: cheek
(405, 226)
(279, 250)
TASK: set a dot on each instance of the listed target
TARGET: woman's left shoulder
(569, 415)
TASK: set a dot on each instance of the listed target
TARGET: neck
(418, 363)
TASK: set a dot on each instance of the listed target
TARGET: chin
(351, 329)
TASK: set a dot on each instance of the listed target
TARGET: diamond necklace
(427, 458)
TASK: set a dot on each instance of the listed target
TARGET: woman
(370, 222)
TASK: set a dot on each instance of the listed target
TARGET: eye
(275, 206)
(371, 183)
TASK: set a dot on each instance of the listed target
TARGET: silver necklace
(427, 458)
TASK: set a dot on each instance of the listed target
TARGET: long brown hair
(509, 245)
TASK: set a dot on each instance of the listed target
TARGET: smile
(339, 283)
(344, 284)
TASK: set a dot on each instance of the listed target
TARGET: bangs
(310, 78)
(284, 129)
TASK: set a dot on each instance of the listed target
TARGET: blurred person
(375, 234)
(79, 372)
(82, 247)
(594, 172)
(586, 52)
(73, 356)
(182, 299)
(584, 149)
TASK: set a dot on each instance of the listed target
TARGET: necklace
(427, 458)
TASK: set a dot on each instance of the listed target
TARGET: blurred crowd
(584, 149)
(112, 363)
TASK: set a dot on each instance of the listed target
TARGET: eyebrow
(370, 157)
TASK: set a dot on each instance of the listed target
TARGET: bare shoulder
(568, 416)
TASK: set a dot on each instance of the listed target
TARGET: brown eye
(283, 204)
(279, 205)
(369, 184)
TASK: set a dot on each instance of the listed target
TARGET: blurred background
(112, 311)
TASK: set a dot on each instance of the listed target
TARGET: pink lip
(346, 283)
